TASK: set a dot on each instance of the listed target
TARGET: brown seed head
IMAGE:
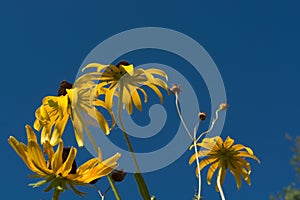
(118, 175)
(202, 116)
(64, 85)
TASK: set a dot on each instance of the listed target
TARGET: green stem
(143, 189)
(124, 132)
(56, 194)
(113, 187)
(219, 184)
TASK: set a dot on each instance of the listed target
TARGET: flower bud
(118, 175)
(223, 106)
(175, 89)
(202, 116)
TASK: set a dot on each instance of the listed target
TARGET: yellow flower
(224, 155)
(77, 102)
(124, 82)
(59, 169)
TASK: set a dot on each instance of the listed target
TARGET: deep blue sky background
(254, 44)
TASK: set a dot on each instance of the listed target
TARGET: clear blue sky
(254, 44)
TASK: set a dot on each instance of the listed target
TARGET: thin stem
(194, 144)
(56, 194)
(143, 189)
(198, 170)
(195, 130)
(99, 192)
(219, 184)
(124, 132)
(181, 118)
(211, 126)
(113, 187)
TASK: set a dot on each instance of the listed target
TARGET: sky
(254, 45)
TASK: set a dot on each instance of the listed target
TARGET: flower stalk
(193, 138)
(56, 194)
(143, 189)
(219, 184)
(113, 187)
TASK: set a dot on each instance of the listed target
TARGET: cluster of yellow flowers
(55, 164)
(74, 101)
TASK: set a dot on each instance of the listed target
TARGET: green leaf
(38, 184)
(144, 192)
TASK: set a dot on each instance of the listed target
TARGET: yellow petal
(136, 99)
(144, 93)
(56, 161)
(30, 134)
(109, 97)
(37, 125)
(48, 150)
(67, 165)
(102, 122)
(78, 129)
(201, 153)
(211, 172)
(58, 129)
(207, 161)
(128, 69)
(246, 154)
(87, 165)
(45, 134)
(35, 154)
(95, 65)
(235, 172)
(157, 91)
(228, 142)
(158, 72)
(22, 152)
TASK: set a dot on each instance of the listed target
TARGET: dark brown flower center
(63, 86)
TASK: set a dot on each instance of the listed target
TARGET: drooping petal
(236, 173)
(157, 72)
(98, 66)
(201, 153)
(157, 91)
(58, 130)
(207, 161)
(246, 154)
(211, 172)
(136, 99)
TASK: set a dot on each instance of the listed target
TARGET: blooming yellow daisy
(222, 156)
(78, 101)
(124, 82)
(59, 169)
